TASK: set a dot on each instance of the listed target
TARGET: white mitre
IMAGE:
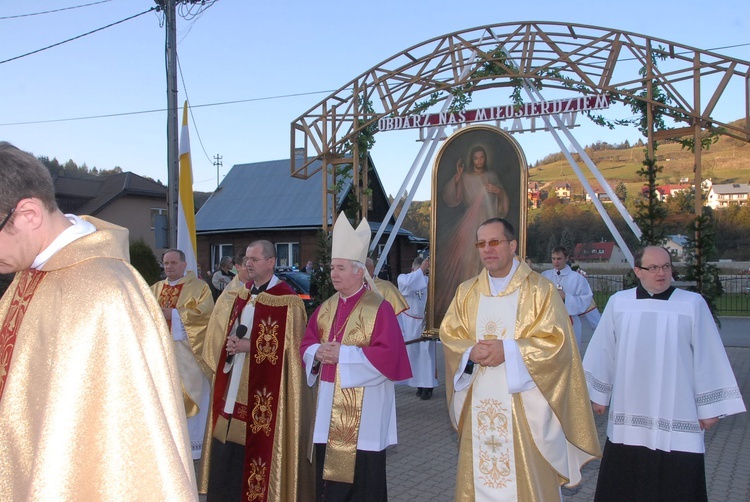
(350, 244)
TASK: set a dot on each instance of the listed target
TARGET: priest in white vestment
(573, 287)
(422, 354)
(657, 360)
(186, 303)
(514, 381)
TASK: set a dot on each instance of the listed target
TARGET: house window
(154, 212)
(218, 251)
(287, 254)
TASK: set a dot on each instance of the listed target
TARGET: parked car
(300, 282)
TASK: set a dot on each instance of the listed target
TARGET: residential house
(600, 194)
(725, 195)
(562, 190)
(598, 252)
(124, 199)
(664, 192)
(676, 246)
(263, 201)
(535, 194)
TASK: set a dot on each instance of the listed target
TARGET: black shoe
(420, 391)
(426, 394)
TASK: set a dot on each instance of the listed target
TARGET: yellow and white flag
(185, 207)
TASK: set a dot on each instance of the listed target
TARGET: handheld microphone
(240, 333)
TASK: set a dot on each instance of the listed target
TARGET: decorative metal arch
(570, 57)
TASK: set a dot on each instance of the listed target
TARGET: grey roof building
(262, 201)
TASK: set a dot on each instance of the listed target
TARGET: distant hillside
(727, 161)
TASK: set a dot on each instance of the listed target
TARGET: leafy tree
(567, 240)
(700, 250)
(321, 287)
(144, 261)
(621, 191)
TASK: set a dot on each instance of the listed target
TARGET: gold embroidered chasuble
(549, 351)
(392, 295)
(346, 411)
(93, 392)
(289, 476)
(194, 304)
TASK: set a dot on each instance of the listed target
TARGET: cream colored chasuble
(491, 413)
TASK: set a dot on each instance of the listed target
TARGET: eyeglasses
(7, 218)
(655, 268)
(493, 243)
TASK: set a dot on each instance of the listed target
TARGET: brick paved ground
(422, 467)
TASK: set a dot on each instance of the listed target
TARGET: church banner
(479, 173)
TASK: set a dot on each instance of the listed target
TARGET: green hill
(727, 161)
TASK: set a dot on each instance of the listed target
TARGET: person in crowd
(186, 303)
(573, 287)
(514, 381)
(222, 277)
(422, 353)
(90, 397)
(354, 349)
(260, 401)
(657, 361)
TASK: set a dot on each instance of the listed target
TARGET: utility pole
(173, 151)
(218, 164)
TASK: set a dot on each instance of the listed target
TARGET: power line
(158, 110)
(195, 124)
(52, 11)
(79, 36)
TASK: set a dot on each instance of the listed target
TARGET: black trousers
(225, 474)
(636, 473)
(369, 479)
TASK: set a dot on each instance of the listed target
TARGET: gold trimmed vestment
(91, 408)
(548, 349)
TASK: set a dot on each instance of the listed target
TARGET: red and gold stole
(346, 412)
(265, 371)
(27, 284)
(168, 297)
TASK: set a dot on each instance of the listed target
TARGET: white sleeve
(518, 375)
(461, 379)
(599, 361)
(311, 364)
(578, 300)
(178, 329)
(355, 370)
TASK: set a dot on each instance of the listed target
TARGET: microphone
(240, 333)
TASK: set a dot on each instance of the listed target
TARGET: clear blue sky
(247, 50)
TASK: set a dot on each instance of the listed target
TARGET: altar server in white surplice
(421, 354)
(573, 287)
(657, 360)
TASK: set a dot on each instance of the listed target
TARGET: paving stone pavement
(422, 467)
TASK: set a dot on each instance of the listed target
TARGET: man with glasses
(260, 405)
(89, 389)
(516, 390)
(657, 360)
(186, 303)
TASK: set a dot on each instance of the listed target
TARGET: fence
(734, 299)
